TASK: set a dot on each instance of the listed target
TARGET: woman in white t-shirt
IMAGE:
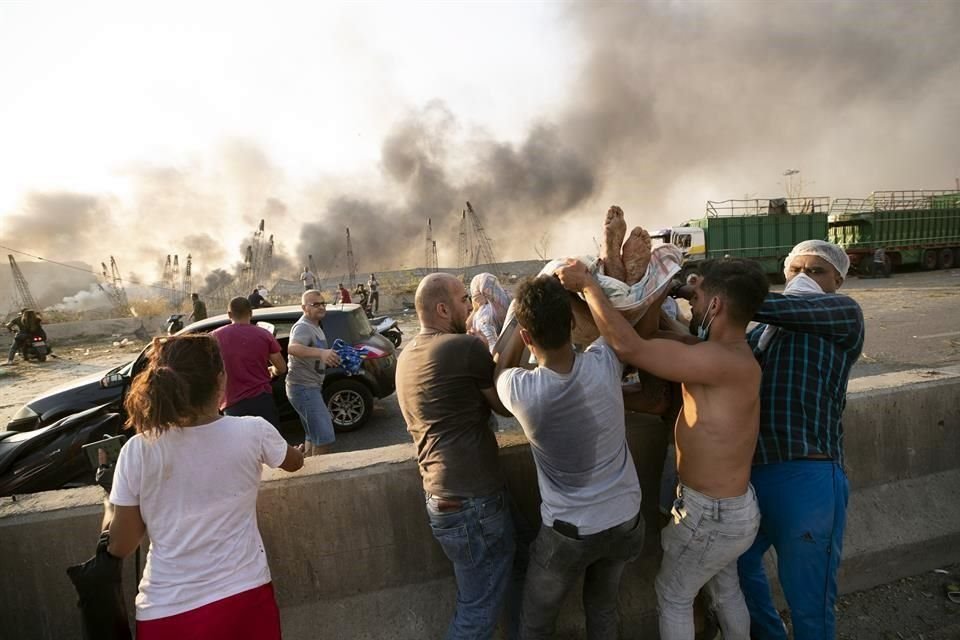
(189, 478)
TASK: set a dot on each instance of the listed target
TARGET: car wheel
(350, 403)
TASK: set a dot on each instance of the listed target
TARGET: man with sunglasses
(308, 356)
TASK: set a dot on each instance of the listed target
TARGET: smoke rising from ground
(670, 104)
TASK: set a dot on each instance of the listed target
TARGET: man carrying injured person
(571, 410)
(715, 515)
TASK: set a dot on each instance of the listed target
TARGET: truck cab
(690, 240)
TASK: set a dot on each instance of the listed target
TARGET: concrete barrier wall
(352, 555)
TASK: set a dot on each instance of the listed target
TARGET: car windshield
(351, 326)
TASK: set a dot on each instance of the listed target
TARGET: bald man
(797, 470)
(445, 388)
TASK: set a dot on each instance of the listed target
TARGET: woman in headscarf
(490, 304)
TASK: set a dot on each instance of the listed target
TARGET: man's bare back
(716, 430)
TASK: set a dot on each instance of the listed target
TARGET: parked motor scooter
(53, 457)
(35, 347)
(388, 328)
(174, 323)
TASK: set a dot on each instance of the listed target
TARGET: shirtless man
(715, 515)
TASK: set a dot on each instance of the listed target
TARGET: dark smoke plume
(677, 103)
(512, 185)
(671, 104)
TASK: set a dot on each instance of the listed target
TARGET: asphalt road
(912, 321)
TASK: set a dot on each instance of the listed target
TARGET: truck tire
(946, 259)
(929, 260)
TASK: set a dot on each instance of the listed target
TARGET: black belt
(568, 530)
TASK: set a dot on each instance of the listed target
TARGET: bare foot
(636, 255)
(614, 228)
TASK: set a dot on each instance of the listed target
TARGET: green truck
(762, 229)
(911, 227)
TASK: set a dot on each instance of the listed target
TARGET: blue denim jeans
(478, 539)
(700, 549)
(314, 415)
(557, 562)
(804, 508)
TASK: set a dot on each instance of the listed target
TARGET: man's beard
(458, 325)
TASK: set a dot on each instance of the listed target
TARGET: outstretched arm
(668, 359)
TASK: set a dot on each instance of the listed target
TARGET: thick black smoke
(670, 103)
(512, 186)
(677, 103)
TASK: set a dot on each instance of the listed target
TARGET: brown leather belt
(448, 504)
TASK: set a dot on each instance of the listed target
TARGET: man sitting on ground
(571, 410)
(715, 515)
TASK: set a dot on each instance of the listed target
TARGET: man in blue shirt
(798, 465)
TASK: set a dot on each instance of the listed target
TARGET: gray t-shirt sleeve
(301, 334)
(505, 387)
(607, 355)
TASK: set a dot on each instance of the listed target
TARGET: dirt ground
(70, 360)
(915, 608)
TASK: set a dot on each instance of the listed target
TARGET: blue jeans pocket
(454, 540)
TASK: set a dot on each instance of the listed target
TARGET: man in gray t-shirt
(571, 410)
(307, 359)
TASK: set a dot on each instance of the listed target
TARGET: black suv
(350, 398)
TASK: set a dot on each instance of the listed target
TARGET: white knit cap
(832, 253)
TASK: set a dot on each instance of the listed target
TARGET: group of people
(759, 453)
(252, 358)
(759, 442)
(369, 294)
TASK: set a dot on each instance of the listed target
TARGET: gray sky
(142, 129)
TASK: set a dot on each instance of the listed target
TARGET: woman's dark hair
(542, 307)
(30, 321)
(179, 382)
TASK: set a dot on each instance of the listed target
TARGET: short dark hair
(240, 306)
(543, 308)
(195, 296)
(741, 282)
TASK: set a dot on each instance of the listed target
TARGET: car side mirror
(111, 380)
(269, 327)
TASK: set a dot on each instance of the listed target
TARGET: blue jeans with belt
(478, 538)
(803, 504)
(557, 561)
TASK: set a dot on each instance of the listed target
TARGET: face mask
(802, 284)
(703, 332)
